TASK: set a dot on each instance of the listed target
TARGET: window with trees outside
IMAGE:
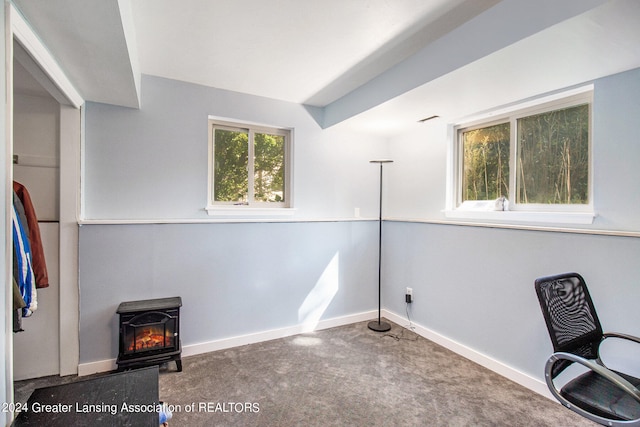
(534, 159)
(248, 165)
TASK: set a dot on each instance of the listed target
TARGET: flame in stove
(151, 338)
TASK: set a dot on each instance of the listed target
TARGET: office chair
(602, 395)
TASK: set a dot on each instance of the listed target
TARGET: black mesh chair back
(570, 316)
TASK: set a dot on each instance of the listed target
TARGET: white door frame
(52, 77)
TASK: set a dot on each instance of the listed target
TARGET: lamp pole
(378, 325)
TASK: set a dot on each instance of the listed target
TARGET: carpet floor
(344, 376)
(350, 376)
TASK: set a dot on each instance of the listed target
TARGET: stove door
(149, 332)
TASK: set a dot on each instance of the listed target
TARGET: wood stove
(149, 333)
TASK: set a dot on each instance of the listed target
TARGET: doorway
(46, 139)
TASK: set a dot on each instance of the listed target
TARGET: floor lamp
(378, 325)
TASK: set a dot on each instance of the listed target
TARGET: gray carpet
(350, 376)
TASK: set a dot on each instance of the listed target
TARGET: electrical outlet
(409, 291)
(408, 296)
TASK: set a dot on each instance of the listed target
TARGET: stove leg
(179, 365)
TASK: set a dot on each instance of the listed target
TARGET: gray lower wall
(474, 285)
(234, 279)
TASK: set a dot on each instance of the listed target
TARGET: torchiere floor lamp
(378, 325)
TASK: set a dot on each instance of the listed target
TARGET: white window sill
(523, 217)
(247, 211)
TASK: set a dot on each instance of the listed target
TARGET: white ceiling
(381, 64)
(574, 52)
(300, 51)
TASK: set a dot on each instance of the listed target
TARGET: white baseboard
(481, 359)
(96, 367)
(193, 349)
(221, 344)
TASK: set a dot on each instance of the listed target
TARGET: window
(532, 159)
(485, 162)
(249, 166)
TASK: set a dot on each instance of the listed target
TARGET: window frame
(252, 207)
(517, 212)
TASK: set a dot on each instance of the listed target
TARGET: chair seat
(595, 394)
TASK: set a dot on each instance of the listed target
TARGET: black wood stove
(149, 333)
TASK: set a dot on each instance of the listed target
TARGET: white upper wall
(417, 180)
(152, 163)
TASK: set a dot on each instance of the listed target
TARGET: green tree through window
(547, 151)
(249, 165)
(486, 163)
(553, 157)
(231, 157)
(268, 181)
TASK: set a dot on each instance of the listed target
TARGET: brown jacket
(35, 241)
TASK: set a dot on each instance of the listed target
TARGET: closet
(36, 165)
(45, 117)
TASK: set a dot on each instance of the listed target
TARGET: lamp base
(379, 326)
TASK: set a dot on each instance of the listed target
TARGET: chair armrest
(615, 335)
(616, 379)
(622, 336)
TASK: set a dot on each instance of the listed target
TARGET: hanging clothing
(22, 222)
(18, 304)
(17, 321)
(18, 301)
(25, 278)
(35, 240)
